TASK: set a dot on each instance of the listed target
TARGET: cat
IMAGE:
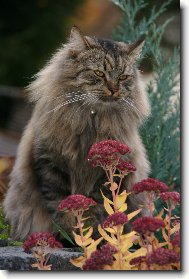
(89, 91)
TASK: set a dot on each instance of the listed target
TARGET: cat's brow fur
(52, 156)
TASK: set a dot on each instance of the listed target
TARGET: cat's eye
(123, 77)
(99, 73)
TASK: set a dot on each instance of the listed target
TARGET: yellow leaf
(160, 214)
(175, 228)
(123, 208)
(79, 262)
(91, 248)
(120, 199)
(133, 214)
(87, 241)
(106, 236)
(164, 235)
(140, 252)
(89, 233)
(77, 239)
(105, 198)
(108, 208)
(110, 230)
(86, 229)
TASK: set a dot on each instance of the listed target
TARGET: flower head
(76, 202)
(125, 167)
(163, 256)
(138, 260)
(176, 240)
(171, 196)
(44, 239)
(107, 153)
(150, 184)
(118, 218)
(100, 258)
(147, 224)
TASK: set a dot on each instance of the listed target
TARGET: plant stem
(119, 247)
(112, 190)
(79, 224)
(169, 228)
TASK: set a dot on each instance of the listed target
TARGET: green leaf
(63, 232)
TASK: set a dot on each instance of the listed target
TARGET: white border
(185, 186)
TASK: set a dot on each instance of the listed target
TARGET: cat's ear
(77, 38)
(134, 49)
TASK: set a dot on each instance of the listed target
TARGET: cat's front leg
(54, 185)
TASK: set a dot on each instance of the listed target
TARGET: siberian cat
(89, 91)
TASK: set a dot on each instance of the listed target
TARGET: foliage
(161, 133)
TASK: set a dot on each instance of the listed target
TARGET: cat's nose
(113, 88)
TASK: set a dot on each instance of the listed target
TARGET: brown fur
(53, 150)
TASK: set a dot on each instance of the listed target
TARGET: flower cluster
(147, 224)
(125, 167)
(150, 184)
(76, 202)
(138, 260)
(107, 153)
(162, 256)
(44, 239)
(171, 196)
(118, 218)
(100, 258)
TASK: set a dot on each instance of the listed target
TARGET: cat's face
(102, 68)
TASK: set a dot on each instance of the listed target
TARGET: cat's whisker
(131, 105)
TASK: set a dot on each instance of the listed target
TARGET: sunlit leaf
(110, 230)
(175, 228)
(105, 198)
(87, 241)
(89, 233)
(77, 239)
(91, 248)
(165, 235)
(133, 214)
(108, 208)
(120, 199)
(79, 262)
(123, 208)
(106, 236)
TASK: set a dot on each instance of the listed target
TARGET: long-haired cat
(89, 91)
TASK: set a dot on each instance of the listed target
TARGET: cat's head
(92, 70)
(104, 67)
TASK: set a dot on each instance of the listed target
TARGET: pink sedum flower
(147, 224)
(150, 184)
(40, 239)
(125, 167)
(138, 260)
(163, 256)
(106, 153)
(100, 258)
(76, 202)
(171, 196)
(118, 218)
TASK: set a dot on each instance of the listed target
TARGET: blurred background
(31, 31)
